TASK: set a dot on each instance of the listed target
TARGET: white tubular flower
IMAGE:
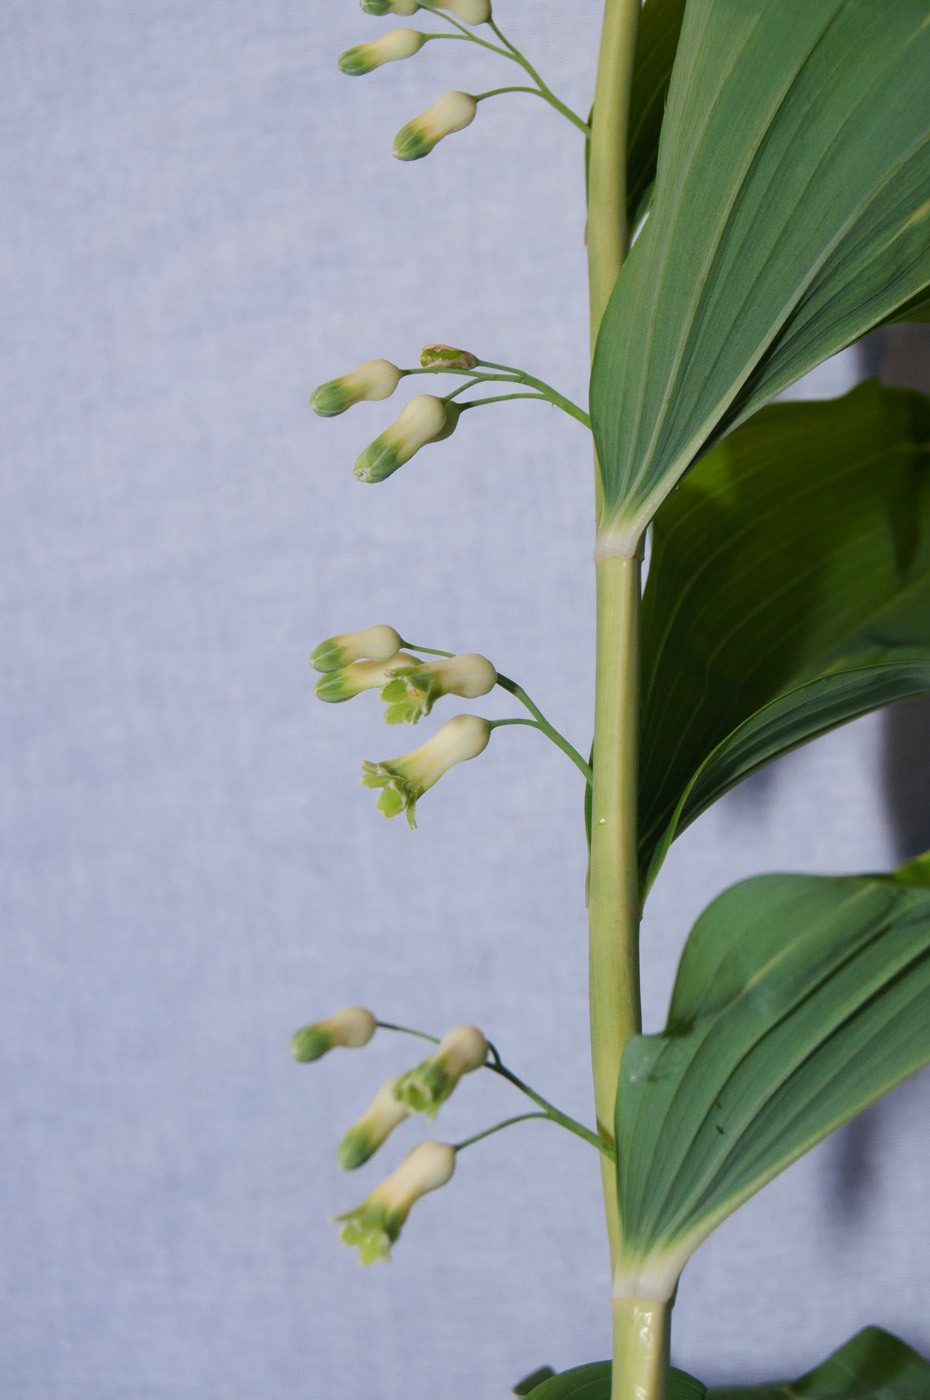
(412, 687)
(377, 643)
(425, 1088)
(451, 112)
(375, 1225)
(424, 419)
(468, 11)
(389, 7)
(446, 357)
(375, 379)
(353, 1027)
(405, 779)
(350, 681)
(373, 1128)
(400, 43)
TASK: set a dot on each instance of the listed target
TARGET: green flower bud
(375, 379)
(425, 1088)
(350, 681)
(353, 1026)
(424, 419)
(468, 11)
(446, 357)
(405, 779)
(451, 112)
(377, 643)
(389, 7)
(365, 1137)
(413, 687)
(375, 1225)
(400, 43)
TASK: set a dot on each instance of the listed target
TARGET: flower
(375, 379)
(374, 1226)
(451, 112)
(376, 643)
(389, 7)
(412, 687)
(468, 11)
(350, 681)
(446, 357)
(424, 419)
(425, 1088)
(365, 1137)
(405, 779)
(353, 1026)
(399, 43)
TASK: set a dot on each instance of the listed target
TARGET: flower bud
(468, 11)
(446, 357)
(451, 112)
(399, 43)
(377, 643)
(375, 379)
(424, 419)
(405, 779)
(425, 1088)
(375, 1225)
(412, 687)
(389, 7)
(365, 1137)
(353, 1026)
(350, 681)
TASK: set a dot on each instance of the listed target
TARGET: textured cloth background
(199, 220)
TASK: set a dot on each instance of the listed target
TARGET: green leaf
(788, 591)
(592, 1382)
(529, 1383)
(799, 1000)
(790, 217)
(656, 44)
(872, 1365)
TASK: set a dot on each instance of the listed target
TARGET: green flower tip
(349, 681)
(400, 43)
(446, 357)
(424, 419)
(378, 643)
(424, 1089)
(352, 1027)
(451, 112)
(404, 780)
(374, 1226)
(389, 7)
(374, 380)
(414, 687)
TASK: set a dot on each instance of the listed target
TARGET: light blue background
(199, 220)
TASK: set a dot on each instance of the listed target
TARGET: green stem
(498, 1127)
(407, 1030)
(641, 1344)
(501, 398)
(509, 375)
(557, 1116)
(559, 739)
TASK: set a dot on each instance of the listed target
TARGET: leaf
(656, 44)
(799, 1000)
(791, 216)
(872, 1365)
(788, 591)
(529, 1383)
(592, 1382)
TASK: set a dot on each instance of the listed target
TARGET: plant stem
(641, 1340)
(498, 1127)
(517, 690)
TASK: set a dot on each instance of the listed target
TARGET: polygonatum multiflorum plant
(758, 185)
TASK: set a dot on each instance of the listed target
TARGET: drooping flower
(374, 1226)
(468, 11)
(350, 681)
(353, 1027)
(376, 643)
(451, 112)
(399, 43)
(411, 687)
(375, 379)
(425, 1088)
(424, 419)
(446, 357)
(380, 1119)
(404, 780)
